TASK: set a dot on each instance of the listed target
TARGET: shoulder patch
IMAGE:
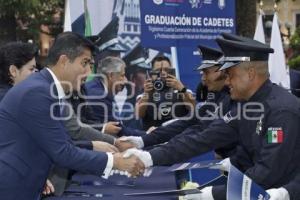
(275, 135)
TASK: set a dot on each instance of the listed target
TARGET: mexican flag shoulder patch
(275, 135)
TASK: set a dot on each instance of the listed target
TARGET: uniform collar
(223, 92)
(216, 96)
(262, 92)
(60, 92)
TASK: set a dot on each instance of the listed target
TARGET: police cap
(136, 60)
(107, 39)
(236, 52)
(210, 56)
(230, 36)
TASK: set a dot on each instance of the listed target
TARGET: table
(115, 187)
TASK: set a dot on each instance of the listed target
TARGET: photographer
(163, 95)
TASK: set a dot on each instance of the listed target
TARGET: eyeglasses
(87, 62)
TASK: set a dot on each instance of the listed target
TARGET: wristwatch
(183, 90)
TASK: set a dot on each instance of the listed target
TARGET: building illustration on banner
(195, 3)
(221, 4)
(129, 25)
(158, 2)
(198, 3)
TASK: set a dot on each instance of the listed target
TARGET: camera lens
(158, 85)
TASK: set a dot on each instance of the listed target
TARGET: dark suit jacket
(31, 140)
(86, 132)
(104, 111)
(3, 90)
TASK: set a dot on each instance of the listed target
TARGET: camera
(159, 82)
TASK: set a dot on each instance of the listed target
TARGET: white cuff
(136, 140)
(103, 128)
(140, 142)
(109, 165)
(147, 159)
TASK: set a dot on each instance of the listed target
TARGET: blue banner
(185, 24)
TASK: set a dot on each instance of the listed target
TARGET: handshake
(133, 163)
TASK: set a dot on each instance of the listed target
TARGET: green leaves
(30, 14)
(294, 63)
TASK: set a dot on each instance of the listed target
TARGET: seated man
(100, 92)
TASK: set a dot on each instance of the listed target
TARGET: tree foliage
(27, 15)
(294, 62)
(246, 17)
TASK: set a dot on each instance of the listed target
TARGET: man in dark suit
(100, 97)
(17, 62)
(33, 136)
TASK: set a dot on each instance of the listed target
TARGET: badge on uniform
(259, 126)
(228, 117)
(275, 135)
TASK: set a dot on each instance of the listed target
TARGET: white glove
(278, 194)
(223, 165)
(144, 156)
(137, 141)
(206, 194)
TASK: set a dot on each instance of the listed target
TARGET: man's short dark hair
(15, 53)
(160, 58)
(70, 44)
